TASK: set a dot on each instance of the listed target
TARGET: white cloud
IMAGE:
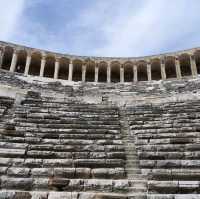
(107, 28)
(153, 26)
(11, 11)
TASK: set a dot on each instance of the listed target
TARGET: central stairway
(138, 183)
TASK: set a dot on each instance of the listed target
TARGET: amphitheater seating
(167, 142)
(62, 146)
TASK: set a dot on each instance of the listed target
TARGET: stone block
(98, 185)
(64, 172)
(58, 184)
(40, 184)
(83, 173)
(39, 195)
(42, 172)
(18, 172)
(16, 183)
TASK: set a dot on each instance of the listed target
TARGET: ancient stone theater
(75, 127)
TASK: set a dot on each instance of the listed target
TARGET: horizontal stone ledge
(60, 195)
(91, 195)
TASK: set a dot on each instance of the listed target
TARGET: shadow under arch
(102, 73)
(64, 68)
(185, 65)
(21, 61)
(90, 71)
(170, 67)
(156, 69)
(35, 64)
(128, 72)
(49, 66)
(7, 57)
(115, 72)
(197, 60)
(142, 70)
(77, 70)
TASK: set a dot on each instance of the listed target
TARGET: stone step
(64, 184)
(137, 189)
(83, 195)
(137, 176)
(130, 155)
(64, 172)
(134, 161)
(67, 121)
(131, 170)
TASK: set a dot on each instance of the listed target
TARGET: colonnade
(122, 70)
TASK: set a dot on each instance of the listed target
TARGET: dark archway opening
(128, 72)
(115, 72)
(197, 60)
(170, 67)
(185, 65)
(142, 71)
(7, 58)
(90, 72)
(21, 61)
(49, 67)
(156, 69)
(102, 72)
(64, 69)
(77, 70)
(35, 64)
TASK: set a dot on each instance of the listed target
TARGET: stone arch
(64, 68)
(170, 67)
(49, 66)
(128, 72)
(102, 75)
(115, 71)
(7, 57)
(90, 71)
(21, 61)
(185, 65)
(142, 70)
(35, 65)
(156, 69)
(197, 60)
(77, 70)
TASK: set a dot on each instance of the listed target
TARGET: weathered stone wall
(29, 61)
(69, 140)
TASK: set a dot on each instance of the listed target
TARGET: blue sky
(102, 27)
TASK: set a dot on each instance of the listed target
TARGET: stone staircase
(137, 181)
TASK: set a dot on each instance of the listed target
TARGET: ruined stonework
(108, 139)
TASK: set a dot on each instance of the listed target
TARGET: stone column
(135, 78)
(14, 61)
(163, 71)
(28, 62)
(84, 68)
(193, 66)
(56, 69)
(121, 74)
(178, 68)
(43, 63)
(109, 73)
(96, 72)
(70, 71)
(1, 57)
(149, 71)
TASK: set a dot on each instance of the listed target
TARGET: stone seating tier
(167, 142)
(47, 145)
